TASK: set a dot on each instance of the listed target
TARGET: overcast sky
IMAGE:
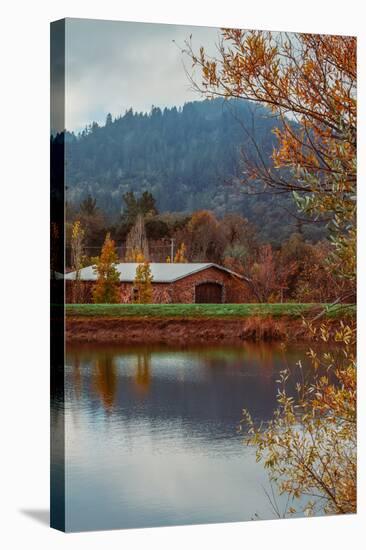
(112, 66)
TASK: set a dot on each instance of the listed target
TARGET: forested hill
(188, 158)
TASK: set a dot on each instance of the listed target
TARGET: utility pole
(172, 250)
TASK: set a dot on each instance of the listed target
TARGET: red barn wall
(178, 292)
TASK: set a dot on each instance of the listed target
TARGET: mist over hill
(189, 158)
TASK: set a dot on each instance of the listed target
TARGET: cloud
(112, 66)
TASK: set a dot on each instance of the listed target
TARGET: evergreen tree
(131, 207)
(143, 284)
(144, 205)
(88, 206)
(147, 204)
(106, 290)
(181, 160)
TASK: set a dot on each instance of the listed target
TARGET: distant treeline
(189, 159)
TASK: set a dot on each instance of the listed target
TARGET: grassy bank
(214, 311)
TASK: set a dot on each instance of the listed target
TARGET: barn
(186, 283)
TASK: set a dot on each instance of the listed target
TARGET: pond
(152, 439)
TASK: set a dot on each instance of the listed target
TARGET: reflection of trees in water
(262, 358)
(267, 357)
(105, 380)
(76, 377)
(143, 372)
(105, 374)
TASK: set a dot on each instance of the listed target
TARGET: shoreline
(183, 331)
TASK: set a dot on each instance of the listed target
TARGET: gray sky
(112, 66)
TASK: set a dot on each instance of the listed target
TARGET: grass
(207, 310)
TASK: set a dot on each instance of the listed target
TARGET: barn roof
(161, 272)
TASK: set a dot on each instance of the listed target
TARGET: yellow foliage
(143, 284)
(309, 447)
(314, 77)
(180, 256)
(135, 255)
(106, 289)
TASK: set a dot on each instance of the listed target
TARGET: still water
(151, 434)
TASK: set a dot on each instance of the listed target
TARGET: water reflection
(151, 433)
(143, 375)
(105, 379)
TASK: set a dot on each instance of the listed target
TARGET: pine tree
(143, 284)
(147, 204)
(106, 290)
(89, 206)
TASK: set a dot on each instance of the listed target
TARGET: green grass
(206, 310)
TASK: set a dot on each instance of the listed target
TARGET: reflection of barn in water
(186, 283)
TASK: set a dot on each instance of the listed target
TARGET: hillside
(189, 158)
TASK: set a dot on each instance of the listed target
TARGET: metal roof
(161, 272)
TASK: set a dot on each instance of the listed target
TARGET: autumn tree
(310, 446)
(266, 277)
(316, 283)
(203, 237)
(241, 242)
(106, 289)
(238, 231)
(143, 284)
(180, 255)
(309, 83)
(296, 251)
(77, 257)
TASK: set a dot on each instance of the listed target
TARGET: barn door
(209, 293)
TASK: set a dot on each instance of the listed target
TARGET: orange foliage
(311, 80)
(311, 76)
(180, 255)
